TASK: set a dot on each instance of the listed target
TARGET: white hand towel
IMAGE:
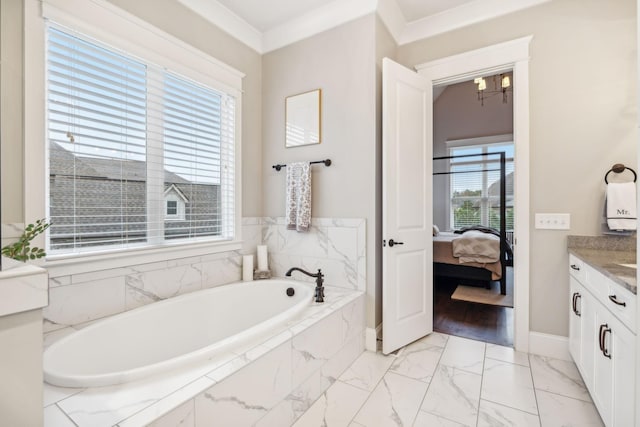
(298, 211)
(621, 206)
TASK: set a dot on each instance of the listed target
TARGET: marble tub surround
(612, 256)
(271, 382)
(335, 245)
(79, 298)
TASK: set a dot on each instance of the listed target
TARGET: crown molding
(227, 21)
(316, 21)
(339, 12)
(392, 17)
(461, 16)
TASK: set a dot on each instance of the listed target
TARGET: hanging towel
(621, 206)
(298, 212)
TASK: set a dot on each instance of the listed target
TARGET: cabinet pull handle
(576, 295)
(575, 267)
(600, 343)
(605, 351)
(614, 299)
(604, 328)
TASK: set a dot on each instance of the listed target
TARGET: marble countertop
(613, 258)
(23, 287)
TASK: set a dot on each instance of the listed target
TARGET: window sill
(63, 265)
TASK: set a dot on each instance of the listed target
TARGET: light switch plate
(553, 221)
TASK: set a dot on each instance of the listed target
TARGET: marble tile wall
(280, 386)
(337, 246)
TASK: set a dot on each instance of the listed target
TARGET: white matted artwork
(302, 119)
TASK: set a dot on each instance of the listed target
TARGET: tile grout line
(535, 393)
(352, 419)
(484, 359)
(432, 376)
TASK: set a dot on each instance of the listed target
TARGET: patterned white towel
(621, 206)
(298, 211)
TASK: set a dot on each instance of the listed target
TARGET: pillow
(436, 230)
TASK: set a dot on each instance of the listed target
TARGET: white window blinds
(122, 135)
(475, 186)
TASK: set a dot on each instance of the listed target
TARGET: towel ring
(619, 168)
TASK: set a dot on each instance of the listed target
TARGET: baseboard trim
(555, 346)
(371, 338)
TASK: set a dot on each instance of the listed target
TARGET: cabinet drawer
(618, 300)
(622, 304)
(577, 268)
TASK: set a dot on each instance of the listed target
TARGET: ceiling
(266, 15)
(268, 25)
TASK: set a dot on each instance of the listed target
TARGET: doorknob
(393, 242)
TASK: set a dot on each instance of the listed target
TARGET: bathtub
(172, 333)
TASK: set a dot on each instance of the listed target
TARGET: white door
(407, 255)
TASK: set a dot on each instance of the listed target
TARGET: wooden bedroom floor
(481, 322)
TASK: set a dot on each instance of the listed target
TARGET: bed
(447, 264)
(445, 261)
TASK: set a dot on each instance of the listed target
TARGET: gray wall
(457, 114)
(385, 47)
(11, 105)
(583, 116)
(341, 62)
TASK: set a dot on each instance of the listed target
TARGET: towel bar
(619, 168)
(326, 162)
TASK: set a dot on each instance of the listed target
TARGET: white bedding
(476, 246)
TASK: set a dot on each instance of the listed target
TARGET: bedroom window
(475, 193)
(133, 147)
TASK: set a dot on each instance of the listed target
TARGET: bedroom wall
(583, 119)
(457, 114)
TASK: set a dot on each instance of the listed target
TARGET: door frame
(513, 56)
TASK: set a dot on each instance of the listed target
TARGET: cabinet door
(575, 321)
(602, 391)
(614, 374)
(623, 352)
(589, 337)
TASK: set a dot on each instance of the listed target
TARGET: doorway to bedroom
(473, 208)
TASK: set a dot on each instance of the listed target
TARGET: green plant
(22, 250)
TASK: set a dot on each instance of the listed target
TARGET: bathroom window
(138, 155)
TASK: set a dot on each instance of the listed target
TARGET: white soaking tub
(172, 333)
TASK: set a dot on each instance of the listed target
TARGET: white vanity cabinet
(602, 341)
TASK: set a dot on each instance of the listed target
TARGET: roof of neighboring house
(179, 192)
(64, 162)
(494, 189)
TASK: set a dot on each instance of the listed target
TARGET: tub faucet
(319, 281)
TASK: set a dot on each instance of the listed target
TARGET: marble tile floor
(444, 380)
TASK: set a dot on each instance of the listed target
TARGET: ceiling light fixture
(505, 86)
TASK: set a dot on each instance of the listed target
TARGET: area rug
(482, 295)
